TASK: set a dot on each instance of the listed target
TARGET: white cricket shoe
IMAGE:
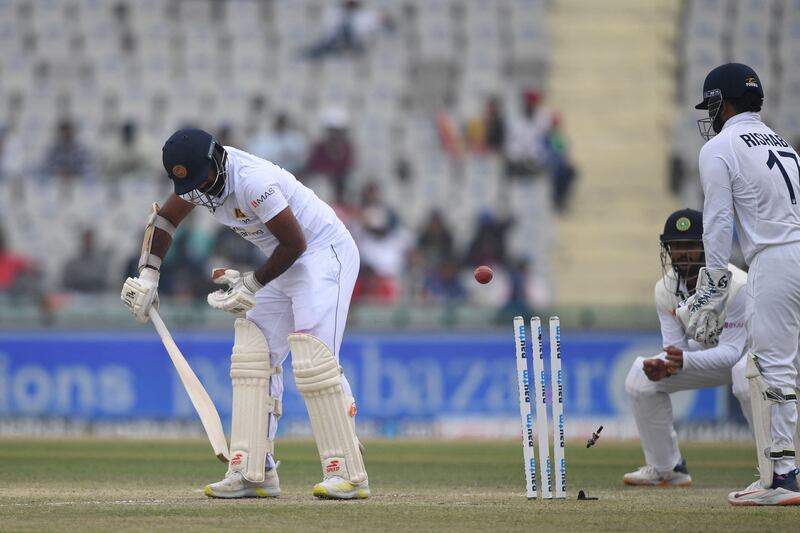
(648, 476)
(338, 488)
(783, 491)
(236, 486)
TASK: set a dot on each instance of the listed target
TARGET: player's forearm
(718, 357)
(173, 211)
(161, 243)
(725, 354)
(279, 262)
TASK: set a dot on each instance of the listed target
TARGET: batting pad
(252, 405)
(762, 400)
(318, 378)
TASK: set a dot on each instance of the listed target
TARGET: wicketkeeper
(297, 301)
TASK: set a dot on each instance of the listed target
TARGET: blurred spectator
(440, 275)
(284, 145)
(435, 241)
(486, 133)
(67, 158)
(129, 154)
(384, 245)
(185, 273)
(256, 115)
(121, 13)
(371, 287)
(526, 156)
(494, 129)
(333, 156)
(12, 154)
(87, 271)
(449, 134)
(517, 302)
(402, 169)
(488, 244)
(110, 114)
(347, 28)
(21, 281)
(18, 274)
(224, 134)
(231, 250)
(413, 278)
(561, 166)
(443, 283)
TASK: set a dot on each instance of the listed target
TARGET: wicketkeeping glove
(141, 293)
(703, 314)
(240, 295)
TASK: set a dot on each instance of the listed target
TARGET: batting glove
(240, 295)
(141, 293)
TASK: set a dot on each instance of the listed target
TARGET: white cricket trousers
(652, 407)
(312, 296)
(773, 283)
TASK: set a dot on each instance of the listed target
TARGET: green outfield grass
(114, 485)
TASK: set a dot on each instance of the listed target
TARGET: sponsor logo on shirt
(248, 234)
(731, 325)
(263, 198)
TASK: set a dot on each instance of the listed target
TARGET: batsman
(297, 301)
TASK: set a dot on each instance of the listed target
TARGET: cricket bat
(201, 401)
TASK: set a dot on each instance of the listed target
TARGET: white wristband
(251, 283)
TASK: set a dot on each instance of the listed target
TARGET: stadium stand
(167, 63)
(425, 71)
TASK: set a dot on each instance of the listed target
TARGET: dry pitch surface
(120, 485)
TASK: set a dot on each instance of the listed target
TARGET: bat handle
(155, 318)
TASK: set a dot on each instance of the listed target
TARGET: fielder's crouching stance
(297, 300)
(684, 364)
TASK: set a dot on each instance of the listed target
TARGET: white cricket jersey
(257, 190)
(734, 334)
(750, 173)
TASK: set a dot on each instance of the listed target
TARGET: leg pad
(318, 378)
(252, 404)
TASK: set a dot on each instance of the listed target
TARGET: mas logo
(179, 171)
(263, 198)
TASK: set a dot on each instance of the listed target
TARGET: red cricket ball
(483, 274)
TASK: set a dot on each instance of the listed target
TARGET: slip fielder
(685, 364)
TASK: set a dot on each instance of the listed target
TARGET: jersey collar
(741, 117)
